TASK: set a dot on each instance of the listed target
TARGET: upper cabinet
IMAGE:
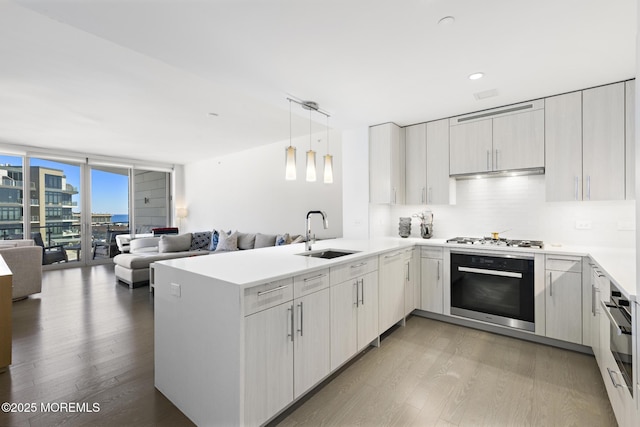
(630, 139)
(603, 143)
(427, 163)
(502, 139)
(386, 164)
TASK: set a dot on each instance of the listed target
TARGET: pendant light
(290, 155)
(311, 156)
(328, 161)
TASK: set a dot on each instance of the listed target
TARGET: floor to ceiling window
(11, 197)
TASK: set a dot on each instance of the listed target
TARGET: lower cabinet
(286, 351)
(563, 298)
(431, 278)
(391, 289)
(354, 316)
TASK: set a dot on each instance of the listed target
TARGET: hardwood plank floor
(86, 339)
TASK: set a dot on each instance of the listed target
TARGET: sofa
(24, 259)
(133, 268)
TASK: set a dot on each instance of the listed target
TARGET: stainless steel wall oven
(495, 288)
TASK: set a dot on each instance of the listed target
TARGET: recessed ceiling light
(446, 21)
(476, 76)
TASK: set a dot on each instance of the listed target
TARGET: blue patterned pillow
(282, 239)
(200, 240)
(214, 240)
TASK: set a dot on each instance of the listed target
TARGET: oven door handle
(611, 318)
(490, 272)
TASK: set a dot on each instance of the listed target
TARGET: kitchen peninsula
(241, 336)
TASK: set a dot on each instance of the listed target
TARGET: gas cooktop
(488, 241)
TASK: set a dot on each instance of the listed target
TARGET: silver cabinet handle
(430, 198)
(423, 192)
(488, 159)
(593, 300)
(616, 384)
(359, 265)
(550, 284)
(588, 187)
(361, 291)
(611, 318)
(394, 195)
(490, 272)
(408, 271)
(319, 276)
(271, 290)
(301, 318)
(357, 293)
(290, 334)
(599, 273)
(576, 186)
(495, 167)
(438, 270)
(394, 255)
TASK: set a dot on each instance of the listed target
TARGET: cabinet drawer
(305, 284)
(431, 252)
(563, 263)
(269, 295)
(408, 254)
(344, 272)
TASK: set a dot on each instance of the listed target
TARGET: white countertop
(248, 268)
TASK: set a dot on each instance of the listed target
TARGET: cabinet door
(312, 340)
(603, 149)
(563, 306)
(471, 147)
(368, 310)
(386, 164)
(391, 290)
(438, 162)
(268, 363)
(518, 141)
(563, 147)
(630, 139)
(416, 164)
(431, 284)
(344, 321)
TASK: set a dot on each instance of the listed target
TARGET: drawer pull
(319, 276)
(362, 264)
(271, 290)
(616, 384)
(394, 255)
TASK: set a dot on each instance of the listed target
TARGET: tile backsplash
(516, 207)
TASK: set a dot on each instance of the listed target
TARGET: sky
(109, 190)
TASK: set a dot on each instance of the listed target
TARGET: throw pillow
(246, 240)
(227, 242)
(214, 240)
(265, 240)
(174, 243)
(282, 239)
(200, 240)
(297, 239)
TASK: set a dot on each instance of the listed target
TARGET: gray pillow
(174, 243)
(265, 240)
(246, 240)
(226, 242)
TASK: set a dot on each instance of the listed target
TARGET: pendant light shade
(290, 156)
(328, 169)
(290, 163)
(311, 165)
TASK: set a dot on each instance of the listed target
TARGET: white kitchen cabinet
(354, 317)
(471, 145)
(431, 280)
(268, 363)
(603, 142)
(427, 163)
(411, 280)
(438, 180)
(386, 164)
(502, 139)
(563, 154)
(563, 298)
(312, 341)
(391, 290)
(416, 164)
(630, 139)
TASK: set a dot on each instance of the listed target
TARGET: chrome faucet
(325, 222)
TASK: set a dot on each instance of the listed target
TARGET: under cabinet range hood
(506, 141)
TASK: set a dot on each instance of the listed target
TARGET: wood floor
(85, 339)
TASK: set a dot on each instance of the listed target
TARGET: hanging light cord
(289, 123)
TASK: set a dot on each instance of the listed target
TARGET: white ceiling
(138, 78)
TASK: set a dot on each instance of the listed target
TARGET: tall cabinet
(386, 164)
(427, 163)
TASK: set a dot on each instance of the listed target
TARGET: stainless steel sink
(328, 253)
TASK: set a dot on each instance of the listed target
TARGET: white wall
(355, 184)
(246, 191)
(518, 204)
